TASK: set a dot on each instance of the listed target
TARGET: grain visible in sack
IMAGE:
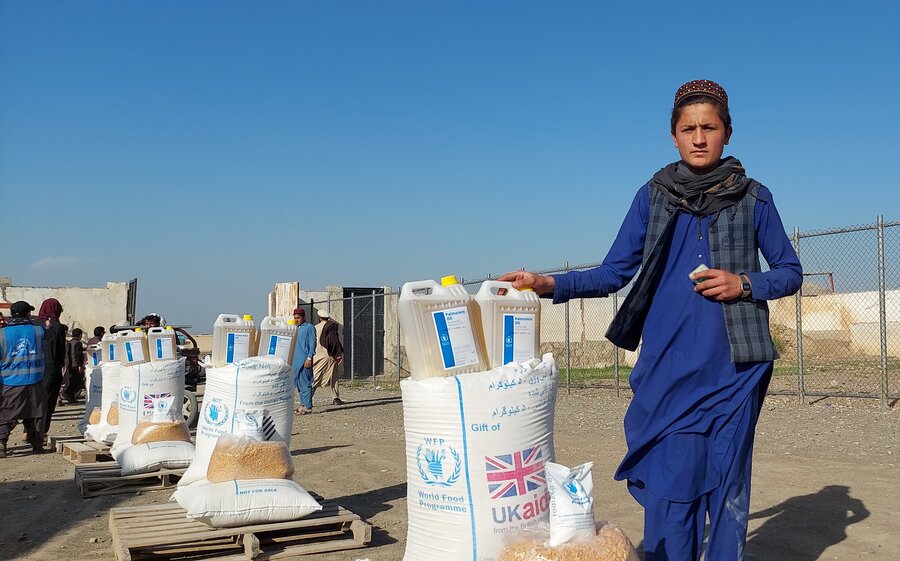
(95, 417)
(610, 544)
(166, 431)
(112, 416)
(243, 458)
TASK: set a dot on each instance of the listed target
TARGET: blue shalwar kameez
(690, 426)
(303, 350)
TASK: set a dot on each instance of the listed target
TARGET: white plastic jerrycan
(109, 348)
(133, 347)
(511, 323)
(94, 355)
(163, 343)
(440, 329)
(233, 339)
(277, 336)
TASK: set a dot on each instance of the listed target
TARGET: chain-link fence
(839, 336)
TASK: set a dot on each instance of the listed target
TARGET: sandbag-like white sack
(141, 385)
(476, 449)
(104, 432)
(241, 502)
(256, 390)
(153, 456)
(93, 398)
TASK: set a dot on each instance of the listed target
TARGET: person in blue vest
(304, 351)
(22, 394)
(698, 309)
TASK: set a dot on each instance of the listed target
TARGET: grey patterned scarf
(704, 194)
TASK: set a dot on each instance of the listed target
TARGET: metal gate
(363, 332)
(131, 302)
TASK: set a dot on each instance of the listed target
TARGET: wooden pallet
(56, 440)
(105, 478)
(163, 532)
(85, 452)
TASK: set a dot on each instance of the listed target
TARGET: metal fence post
(568, 352)
(801, 390)
(374, 377)
(882, 313)
(397, 319)
(615, 348)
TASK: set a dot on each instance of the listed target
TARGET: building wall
(82, 307)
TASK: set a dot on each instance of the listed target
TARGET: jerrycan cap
(138, 330)
(170, 328)
(449, 280)
(248, 317)
(527, 289)
(292, 321)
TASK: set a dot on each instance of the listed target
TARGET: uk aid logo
(519, 474)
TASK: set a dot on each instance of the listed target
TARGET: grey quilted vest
(733, 247)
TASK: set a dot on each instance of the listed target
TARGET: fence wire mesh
(840, 336)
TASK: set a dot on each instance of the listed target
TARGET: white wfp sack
(476, 447)
(93, 384)
(245, 501)
(571, 503)
(164, 451)
(141, 384)
(232, 391)
(104, 433)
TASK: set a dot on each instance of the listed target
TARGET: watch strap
(746, 287)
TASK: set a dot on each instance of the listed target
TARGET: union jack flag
(515, 474)
(149, 398)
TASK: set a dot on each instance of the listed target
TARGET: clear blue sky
(212, 149)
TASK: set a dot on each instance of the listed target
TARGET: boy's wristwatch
(746, 289)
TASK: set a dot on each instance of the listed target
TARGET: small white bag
(571, 503)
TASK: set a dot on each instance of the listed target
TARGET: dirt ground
(825, 484)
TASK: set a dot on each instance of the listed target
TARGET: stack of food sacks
(572, 534)
(477, 446)
(151, 395)
(242, 466)
(93, 389)
(103, 427)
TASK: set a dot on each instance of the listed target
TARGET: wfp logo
(445, 338)
(128, 394)
(22, 348)
(576, 492)
(216, 412)
(248, 420)
(509, 339)
(436, 468)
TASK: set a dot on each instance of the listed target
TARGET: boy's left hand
(719, 285)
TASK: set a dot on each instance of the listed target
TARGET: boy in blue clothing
(706, 352)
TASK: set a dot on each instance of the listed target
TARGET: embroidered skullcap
(701, 87)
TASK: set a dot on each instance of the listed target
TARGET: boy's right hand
(541, 284)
